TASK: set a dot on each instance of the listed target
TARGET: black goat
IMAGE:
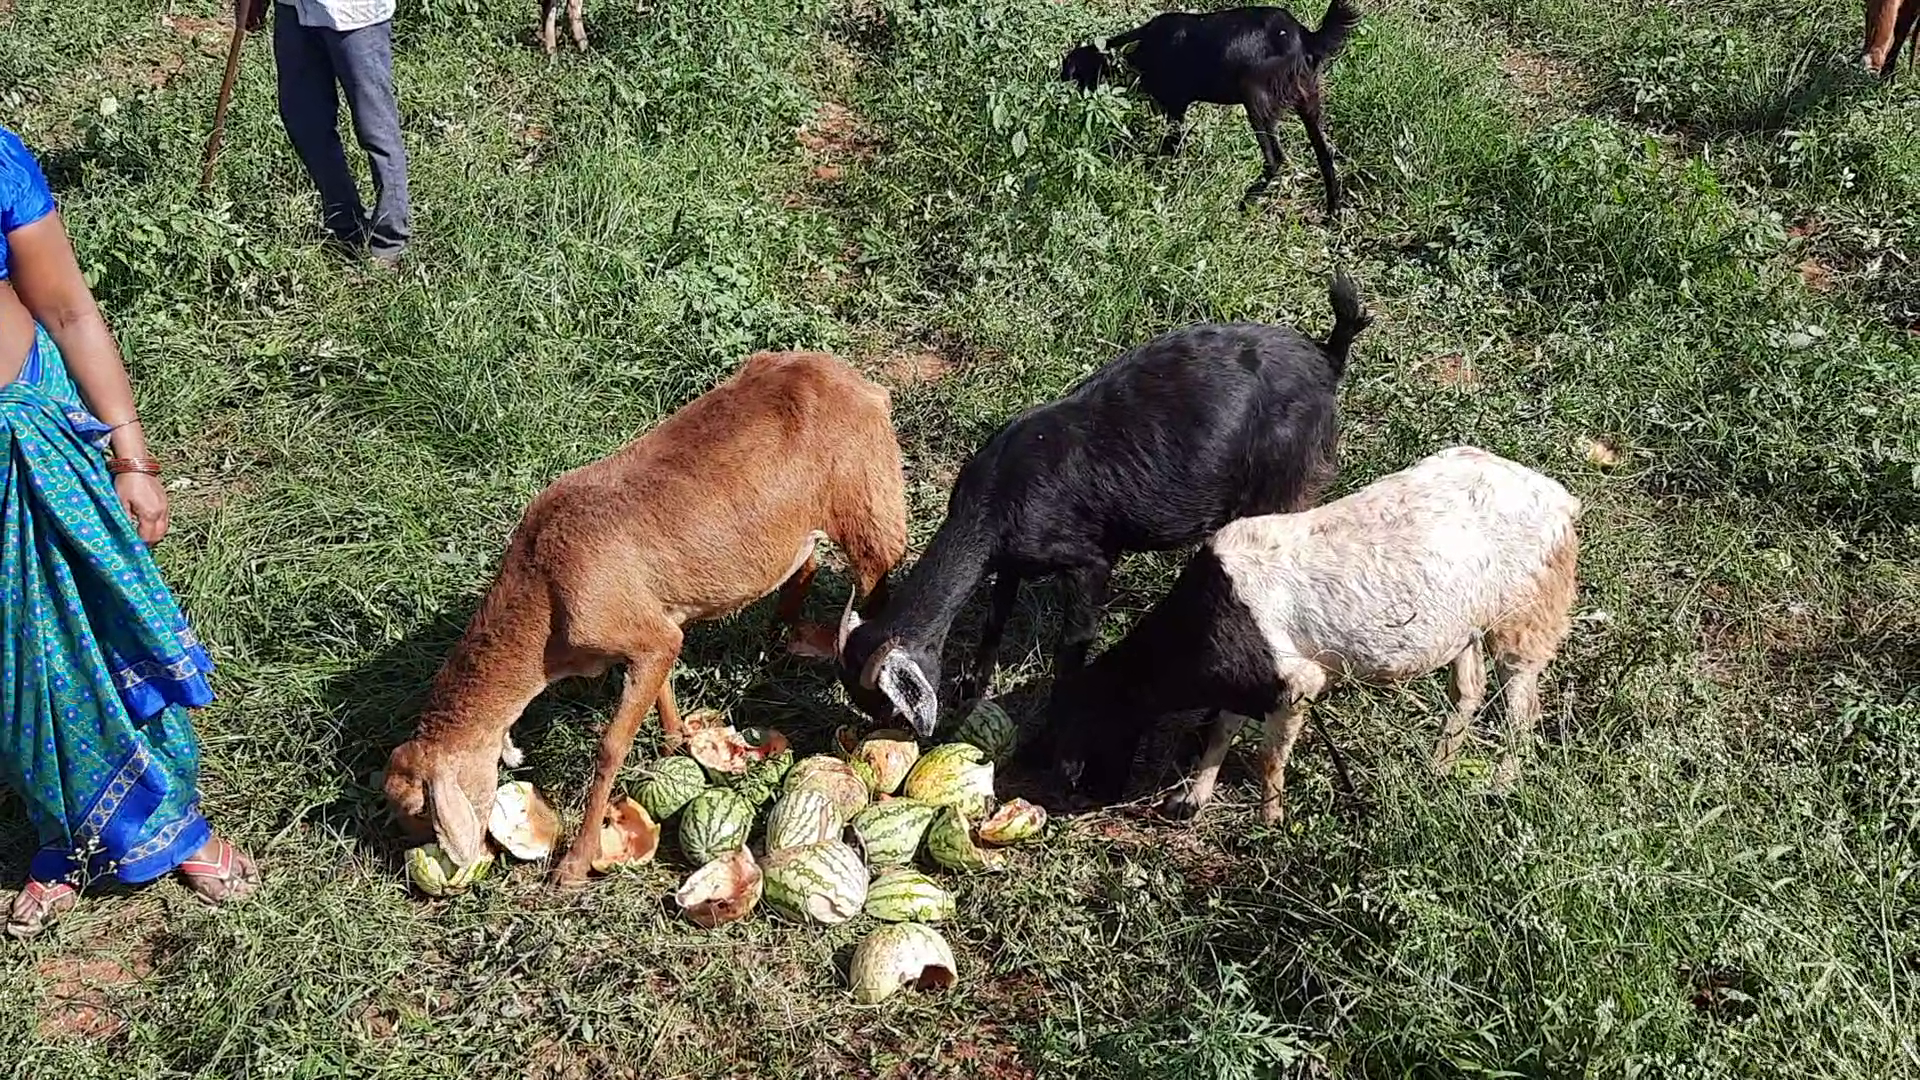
(1154, 451)
(1259, 57)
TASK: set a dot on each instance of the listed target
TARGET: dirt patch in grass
(913, 367)
(212, 35)
(1451, 370)
(81, 992)
(835, 136)
(1550, 87)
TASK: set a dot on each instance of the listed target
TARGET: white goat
(1463, 554)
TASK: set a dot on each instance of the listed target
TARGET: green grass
(1686, 228)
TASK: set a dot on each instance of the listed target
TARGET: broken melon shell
(628, 837)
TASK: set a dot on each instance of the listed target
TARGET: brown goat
(550, 17)
(1890, 23)
(715, 508)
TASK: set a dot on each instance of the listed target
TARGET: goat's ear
(907, 687)
(456, 823)
(849, 622)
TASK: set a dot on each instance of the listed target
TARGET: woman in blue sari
(97, 663)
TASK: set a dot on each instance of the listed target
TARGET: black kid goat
(1154, 451)
(1259, 57)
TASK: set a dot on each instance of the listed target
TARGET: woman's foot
(37, 905)
(220, 873)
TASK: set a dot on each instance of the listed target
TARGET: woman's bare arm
(47, 278)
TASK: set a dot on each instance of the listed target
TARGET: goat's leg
(1322, 152)
(1283, 730)
(1520, 688)
(1882, 49)
(1176, 135)
(1086, 599)
(1263, 116)
(814, 641)
(986, 655)
(549, 14)
(1469, 690)
(645, 677)
(573, 20)
(673, 733)
(1199, 789)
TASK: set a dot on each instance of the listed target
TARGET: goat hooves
(1181, 806)
(569, 875)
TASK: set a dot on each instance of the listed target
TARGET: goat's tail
(1349, 320)
(1342, 17)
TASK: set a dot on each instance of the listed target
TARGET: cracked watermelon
(823, 883)
(950, 842)
(890, 832)
(897, 955)
(903, 895)
(837, 779)
(990, 728)
(803, 817)
(715, 823)
(670, 785)
(953, 774)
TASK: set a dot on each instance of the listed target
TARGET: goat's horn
(849, 622)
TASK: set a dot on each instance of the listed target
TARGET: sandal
(220, 873)
(37, 905)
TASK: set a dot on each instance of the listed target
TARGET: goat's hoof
(568, 876)
(1180, 807)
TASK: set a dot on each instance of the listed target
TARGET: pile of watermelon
(825, 838)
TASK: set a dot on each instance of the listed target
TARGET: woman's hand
(146, 501)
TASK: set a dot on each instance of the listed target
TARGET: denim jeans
(310, 61)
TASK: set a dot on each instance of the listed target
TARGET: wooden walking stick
(241, 13)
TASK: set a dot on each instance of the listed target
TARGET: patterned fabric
(24, 197)
(98, 660)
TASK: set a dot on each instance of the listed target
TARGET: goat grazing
(1463, 552)
(1155, 450)
(1890, 24)
(550, 15)
(1261, 58)
(713, 509)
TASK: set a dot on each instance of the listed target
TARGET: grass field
(1684, 230)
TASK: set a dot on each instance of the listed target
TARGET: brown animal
(550, 14)
(1890, 23)
(710, 511)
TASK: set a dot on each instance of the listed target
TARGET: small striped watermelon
(670, 785)
(890, 832)
(953, 774)
(823, 883)
(903, 895)
(837, 779)
(990, 728)
(950, 842)
(716, 822)
(803, 817)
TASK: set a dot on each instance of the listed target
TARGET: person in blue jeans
(322, 48)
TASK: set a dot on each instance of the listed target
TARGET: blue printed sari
(96, 659)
